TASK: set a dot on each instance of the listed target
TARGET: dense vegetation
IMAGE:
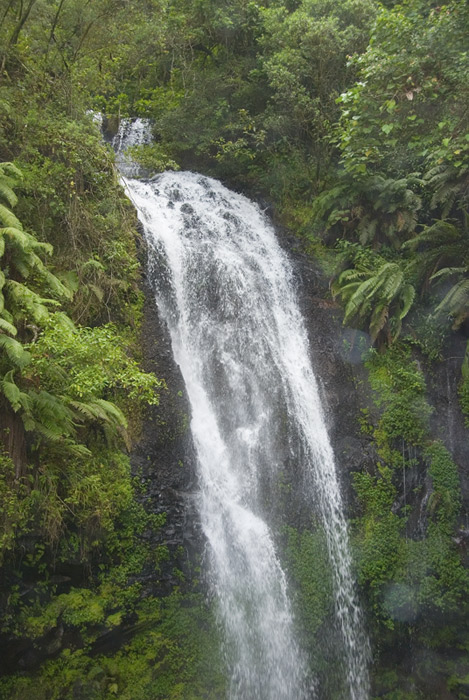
(351, 120)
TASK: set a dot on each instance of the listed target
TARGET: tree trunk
(13, 439)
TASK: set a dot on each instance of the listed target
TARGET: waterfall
(131, 132)
(225, 289)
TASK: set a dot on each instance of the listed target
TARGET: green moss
(445, 501)
(399, 388)
(377, 537)
(308, 565)
(405, 579)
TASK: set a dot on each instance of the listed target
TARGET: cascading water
(131, 133)
(224, 287)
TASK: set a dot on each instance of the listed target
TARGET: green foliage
(401, 82)
(446, 497)
(308, 565)
(399, 389)
(90, 362)
(173, 652)
(375, 210)
(304, 58)
(15, 509)
(291, 100)
(152, 158)
(379, 294)
(406, 577)
(378, 542)
(71, 394)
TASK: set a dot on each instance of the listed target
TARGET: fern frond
(448, 272)
(12, 393)
(53, 418)
(97, 291)
(16, 235)
(7, 193)
(76, 449)
(367, 230)
(346, 291)
(456, 302)
(10, 171)
(15, 351)
(359, 301)
(439, 233)
(393, 277)
(378, 320)
(7, 327)
(353, 274)
(64, 321)
(55, 285)
(41, 246)
(86, 411)
(25, 298)
(407, 299)
(8, 219)
(113, 412)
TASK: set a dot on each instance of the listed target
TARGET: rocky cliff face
(164, 462)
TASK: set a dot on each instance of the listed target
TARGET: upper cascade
(131, 132)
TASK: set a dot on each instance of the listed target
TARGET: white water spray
(224, 287)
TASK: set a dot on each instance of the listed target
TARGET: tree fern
(25, 301)
(382, 299)
(449, 185)
(7, 194)
(7, 327)
(407, 298)
(8, 219)
(11, 391)
(379, 318)
(25, 283)
(52, 417)
(373, 210)
(15, 351)
(456, 303)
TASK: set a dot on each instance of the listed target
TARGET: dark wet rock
(447, 420)
(164, 460)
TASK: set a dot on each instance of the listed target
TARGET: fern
(11, 391)
(8, 219)
(449, 186)
(448, 272)
(392, 279)
(7, 327)
(113, 413)
(33, 304)
(52, 417)
(7, 194)
(17, 355)
(456, 303)
(384, 297)
(10, 172)
(358, 303)
(378, 320)
(407, 299)
(100, 410)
